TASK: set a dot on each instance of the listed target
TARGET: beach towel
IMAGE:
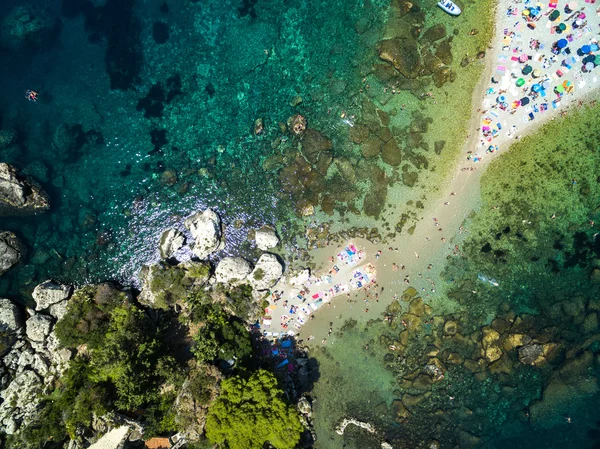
(552, 5)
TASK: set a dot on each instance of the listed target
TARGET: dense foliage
(162, 366)
(221, 337)
(250, 413)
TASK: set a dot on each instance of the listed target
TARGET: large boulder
(10, 316)
(266, 273)
(19, 196)
(171, 241)
(266, 238)
(38, 327)
(205, 228)
(232, 270)
(300, 278)
(28, 28)
(49, 293)
(11, 250)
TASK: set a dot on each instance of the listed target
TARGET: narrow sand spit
(439, 234)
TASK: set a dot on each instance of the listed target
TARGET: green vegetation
(250, 413)
(221, 337)
(259, 274)
(158, 364)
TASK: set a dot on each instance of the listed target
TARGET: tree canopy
(251, 412)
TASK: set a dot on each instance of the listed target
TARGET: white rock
(205, 227)
(171, 241)
(266, 238)
(266, 273)
(38, 327)
(386, 445)
(301, 278)
(48, 293)
(232, 270)
(10, 316)
(58, 310)
(20, 397)
(113, 439)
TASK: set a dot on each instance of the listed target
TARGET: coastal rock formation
(266, 238)
(38, 327)
(300, 278)
(10, 316)
(171, 241)
(363, 425)
(205, 228)
(231, 270)
(18, 196)
(49, 293)
(266, 273)
(34, 362)
(11, 250)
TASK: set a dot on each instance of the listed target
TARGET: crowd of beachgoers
(548, 52)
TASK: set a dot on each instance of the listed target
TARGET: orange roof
(158, 443)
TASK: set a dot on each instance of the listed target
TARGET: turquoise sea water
(146, 114)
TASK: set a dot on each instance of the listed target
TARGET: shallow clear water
(147, 112)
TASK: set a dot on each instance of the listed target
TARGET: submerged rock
(11, 250)
(403, 54)
(28, 28)
(205, 227)
(18, 196)
(232, 270)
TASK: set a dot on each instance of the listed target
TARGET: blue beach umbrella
(562, 43)
(593, 47)
(501, 99)
(585, 49)
(536, 87)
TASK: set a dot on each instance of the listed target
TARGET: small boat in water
(450, 7)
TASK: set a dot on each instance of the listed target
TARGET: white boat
(450, 7)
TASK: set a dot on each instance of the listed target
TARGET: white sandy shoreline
(431, 244)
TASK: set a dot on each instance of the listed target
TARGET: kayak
(450, 7)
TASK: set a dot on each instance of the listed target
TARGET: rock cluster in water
(19, 196)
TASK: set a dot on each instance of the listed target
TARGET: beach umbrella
(562, 27)
(566, 83)
(536, 87)
(524, 101)
(546, 84)
(523, 58)
(558, 89)
(554, 15)
(534, 12)
(585, 49)
(527, 70)
(525, 12)
(589, 58)
(589, 66)
(562, 43)
(593, 47)
(536, 73)
(501, 99)
(520, 82)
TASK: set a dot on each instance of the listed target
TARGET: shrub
(250, 413)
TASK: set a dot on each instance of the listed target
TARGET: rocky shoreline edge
(32, 358)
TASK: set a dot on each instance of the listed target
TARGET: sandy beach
(416, 260)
